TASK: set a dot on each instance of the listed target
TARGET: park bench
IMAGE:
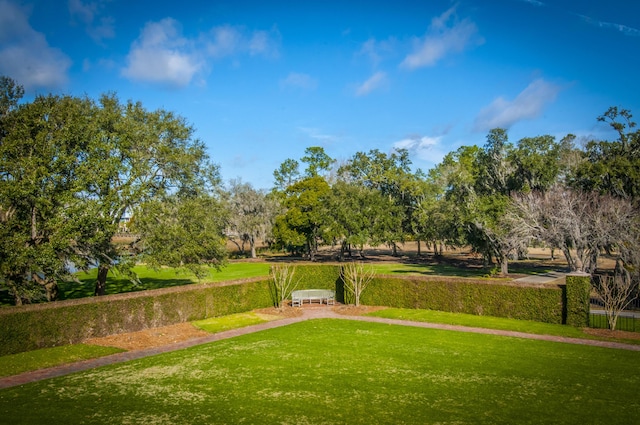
(323, 296)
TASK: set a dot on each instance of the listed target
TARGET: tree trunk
(504, 265)
(252, 243)
(101, 281)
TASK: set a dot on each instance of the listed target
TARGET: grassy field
(166, 277)
(337, 371)
(15, 364)
(162, 278)
(487, 322)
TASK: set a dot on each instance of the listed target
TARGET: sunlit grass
(233, 321)
(159, 278)
(488, 322)
(339, 371)
(15, 364)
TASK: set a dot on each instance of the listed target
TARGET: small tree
(616, 293)
(283, 283)
(356, 278)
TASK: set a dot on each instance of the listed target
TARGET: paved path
(308, 313)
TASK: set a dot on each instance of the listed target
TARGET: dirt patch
(352, 310)
(283, 312)
(150, 338)
(606, 333)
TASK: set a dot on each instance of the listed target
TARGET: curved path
(308, 313)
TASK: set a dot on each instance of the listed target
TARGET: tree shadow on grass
(85, 288)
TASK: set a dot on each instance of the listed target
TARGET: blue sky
(261, 81)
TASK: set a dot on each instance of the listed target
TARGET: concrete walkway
(308, 314)
(542, 278)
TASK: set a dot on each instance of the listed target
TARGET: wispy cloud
(25, 54)
(318, 136)
(445, 35)
(527, 105)
(162, 55)
(376, 51)
(300, 81)
(98, 27)
(534, 2)
(374, 82)
(227, 40)
(425, 148)
(608, 25)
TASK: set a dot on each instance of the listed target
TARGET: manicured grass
(488, 322)
(233, 321)
(426, 269)
(433, 316)
(162, 278)
(339, 371)
(15, 364)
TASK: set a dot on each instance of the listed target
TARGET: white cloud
(87, 13)
(225, 40)
(374, 82)
(442, 39)
(376, 51)
(298, 80)
(25, 54)
(265, 43)
(162, 55)
(424, 148)
(527, 105)
(228, 40)
(318, 135)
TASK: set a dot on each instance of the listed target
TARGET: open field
(338, 371)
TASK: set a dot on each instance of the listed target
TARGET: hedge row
(538, 303)
(68, 322)
(577, 300)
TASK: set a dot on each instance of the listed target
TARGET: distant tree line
(71, 168)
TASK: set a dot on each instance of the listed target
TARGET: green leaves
(72, 168)
(182, 232)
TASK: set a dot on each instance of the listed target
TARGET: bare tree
(356, 277)
(283, 283)
(581, 225)
(616, 292)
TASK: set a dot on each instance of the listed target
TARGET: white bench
(323, 296)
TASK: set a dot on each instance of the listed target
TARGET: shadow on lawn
(73, 290)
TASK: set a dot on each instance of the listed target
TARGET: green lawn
(426, 269)
(232, 321)
(338, 371)
(433, 316)
(15, 364)
(162, 278)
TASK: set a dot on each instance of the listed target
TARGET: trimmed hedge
(526, 302)
(68, 322)
(577, 300)
(31, 327)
